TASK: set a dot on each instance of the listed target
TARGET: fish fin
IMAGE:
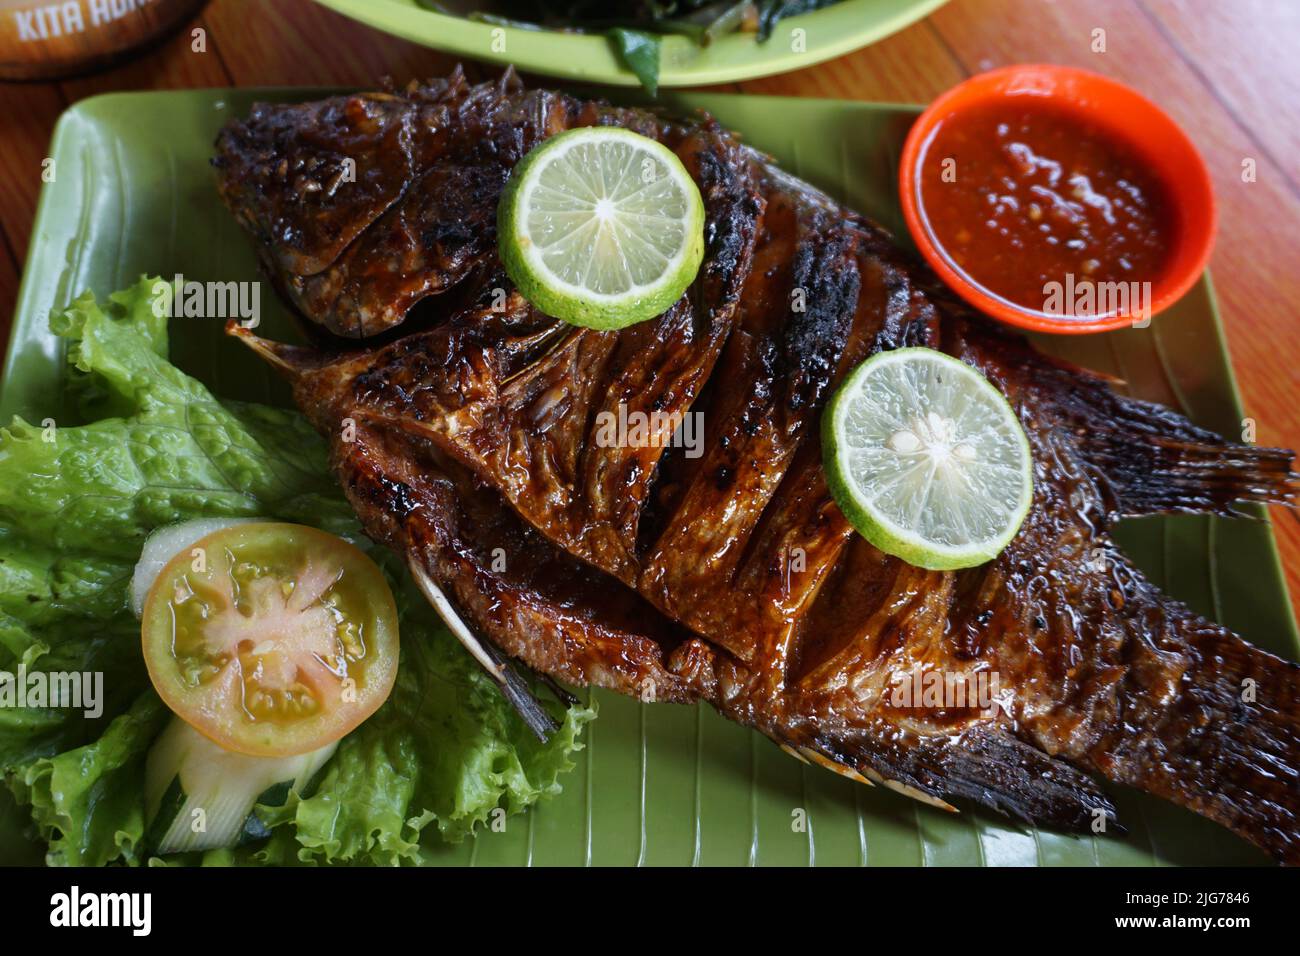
(458, 628)
(995, 770)
(1153, 460)
(291, 361)
(984, 765)
(513, 687)
(794, 752)
(1224, 742)
(807, 754)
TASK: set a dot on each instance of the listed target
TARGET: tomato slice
(271, 639)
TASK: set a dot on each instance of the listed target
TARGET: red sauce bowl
(1111, 107)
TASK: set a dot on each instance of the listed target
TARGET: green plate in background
(588, 58)
(657, 784)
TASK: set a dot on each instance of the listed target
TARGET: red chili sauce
(1021, 193)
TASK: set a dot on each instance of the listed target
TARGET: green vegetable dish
(635, 27)
(428, 753)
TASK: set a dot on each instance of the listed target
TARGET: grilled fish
(463, 430)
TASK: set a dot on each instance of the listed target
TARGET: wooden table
(1228, 72)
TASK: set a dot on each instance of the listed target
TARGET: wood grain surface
(1228, 72)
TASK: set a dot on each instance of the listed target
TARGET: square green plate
(656, 784)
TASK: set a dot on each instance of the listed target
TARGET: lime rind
(941, 516)
(612, 272)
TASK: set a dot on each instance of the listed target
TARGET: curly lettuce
(76, 504)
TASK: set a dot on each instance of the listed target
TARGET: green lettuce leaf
(444, 744)
(77, 501)
(86, 802)
(640, 52)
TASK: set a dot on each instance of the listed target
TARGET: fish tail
(1222, 740)
(1153, 460)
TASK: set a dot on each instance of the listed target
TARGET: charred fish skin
(364, 205)
(340, 191)
(731, 577)
(562, 617)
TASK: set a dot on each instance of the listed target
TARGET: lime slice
(601, 227)
(926, 459)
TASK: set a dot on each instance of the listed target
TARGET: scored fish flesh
(466, 428)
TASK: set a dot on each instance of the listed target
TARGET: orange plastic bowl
(1118, 110)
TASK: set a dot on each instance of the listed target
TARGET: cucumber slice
(199, 796)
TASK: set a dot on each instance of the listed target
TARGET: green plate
(827, 33)
(657, 784)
